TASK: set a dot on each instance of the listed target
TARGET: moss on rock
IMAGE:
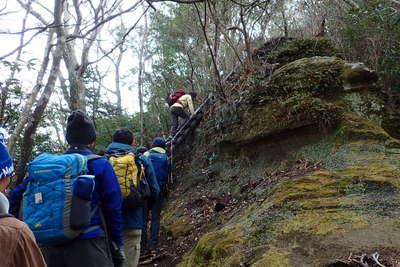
(220, 248)
(358, 76)
(274, 257)
(316, 76)
(180, 227)
(306, 152)
(355, 128)
(286, 50)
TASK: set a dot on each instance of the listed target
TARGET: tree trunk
(76, 84)
(117, 80)
(285, 22)
(30, 130)
(25, 114)
(140, 77)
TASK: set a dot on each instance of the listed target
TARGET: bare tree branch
(151, 5)
(78, 17)
(7, 13)
(34, 13)
(23, 45)
(4, 7)
(122, 40)
(113, 17)
(203, 26)
(179, 1)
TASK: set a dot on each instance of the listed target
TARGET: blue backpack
(160, 165)
(57, 199)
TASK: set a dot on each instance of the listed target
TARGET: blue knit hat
(159, 142)
(6, 165)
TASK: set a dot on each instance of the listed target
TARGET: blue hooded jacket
(106, 192)
(135, 219)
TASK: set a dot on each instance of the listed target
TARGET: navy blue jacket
(107, 192)
(135, 219)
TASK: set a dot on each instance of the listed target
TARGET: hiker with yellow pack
(138, 182)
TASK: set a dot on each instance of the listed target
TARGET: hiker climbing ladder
(194, 120)
(184, 131)
(189, 125)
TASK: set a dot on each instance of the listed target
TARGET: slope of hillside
(293, 168)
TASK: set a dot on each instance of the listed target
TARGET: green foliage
(107, 125)
(12, 95)
(372, 33)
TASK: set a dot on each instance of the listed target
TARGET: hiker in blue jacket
(159, 158)
(133, 221)
(91, 248)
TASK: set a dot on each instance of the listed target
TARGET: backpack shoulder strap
(93, 156)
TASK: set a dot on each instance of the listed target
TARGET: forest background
(119, 59)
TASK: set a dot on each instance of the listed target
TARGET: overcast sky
(13, 23)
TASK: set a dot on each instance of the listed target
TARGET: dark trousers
(143, 241)
(176, 113)
(155, 221)
(79, 253)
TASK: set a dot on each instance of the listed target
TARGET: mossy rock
(295, 112)
(286, 50)
(355, 129)
(308, 91)
(320, 174)
(306, 217)
(314, 77)
(274, 257)
(358, 76)
(391, 124)
(217, 249)
(182, 226)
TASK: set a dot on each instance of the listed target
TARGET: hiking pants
(176, 113)
(155, 221)
(143, 242)
(132, 246)
(79, 253)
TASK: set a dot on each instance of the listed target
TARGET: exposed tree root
(361, 261)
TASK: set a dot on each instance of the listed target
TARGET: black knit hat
(80, 129)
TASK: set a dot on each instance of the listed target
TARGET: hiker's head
(124, 136)
(193, 95)
(80, 129)
(6, 167)
(158, 142)
(142, 149)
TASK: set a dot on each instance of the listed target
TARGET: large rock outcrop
(299, 159)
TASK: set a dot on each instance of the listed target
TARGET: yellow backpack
(128, 172)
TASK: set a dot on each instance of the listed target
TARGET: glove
(117, 254)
